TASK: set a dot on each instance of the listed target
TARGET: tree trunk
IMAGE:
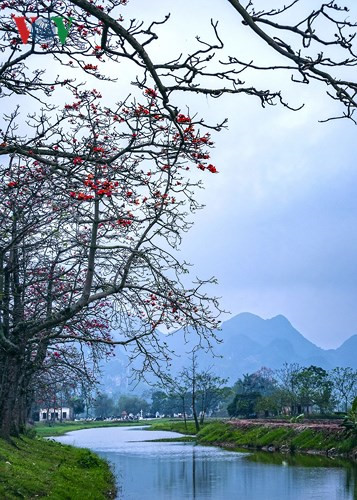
(9, 399)
(194, 366)
(194, 408)
(184, 412)
(14, 395)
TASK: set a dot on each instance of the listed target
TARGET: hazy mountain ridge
(278, 342)
(250, 342)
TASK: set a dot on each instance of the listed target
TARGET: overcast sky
(279, 226)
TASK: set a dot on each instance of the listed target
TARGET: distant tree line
(196, 393)
(105, 406)
(293, 390)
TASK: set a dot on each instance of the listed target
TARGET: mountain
(346, 354)
(249, 342)
(275, 341)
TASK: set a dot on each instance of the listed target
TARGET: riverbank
(310, 438)
(35, 467)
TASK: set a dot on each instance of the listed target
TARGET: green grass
(182, 439)
(33, 468)
(59, 429)
(259, 436)
(174, 426)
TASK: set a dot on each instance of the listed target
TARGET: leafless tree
(344, 381)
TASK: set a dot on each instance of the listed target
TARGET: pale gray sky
(279, 227)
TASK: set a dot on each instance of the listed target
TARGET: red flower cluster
(75, 105)
(140, 110)
(203, 140)
(77, 160)
(201, 156)
(151, 93)
(81, 196)
(90, 66)
(124, 222)
(12, 184)
(101, 188)
(106, 188)
(98, 149)
(210, 167)
(183, 119)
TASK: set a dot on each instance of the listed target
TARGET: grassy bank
(59, 429)
(34, 467)
(301, 438)
(174, 426)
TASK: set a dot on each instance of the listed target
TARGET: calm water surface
(177, 471)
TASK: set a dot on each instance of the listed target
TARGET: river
(176, 471)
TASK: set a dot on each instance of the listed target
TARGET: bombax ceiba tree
(97, 192)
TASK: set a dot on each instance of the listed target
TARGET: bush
(350, 420)
(88, 460)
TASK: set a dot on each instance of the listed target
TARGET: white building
(53, 414)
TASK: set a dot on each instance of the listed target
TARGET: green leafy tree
(350, 420)
(315, 388)
(132, 404)
(244, 405)
(104, 406)
(78, 405)
(167, 403)
(249, 390)
(272, 403)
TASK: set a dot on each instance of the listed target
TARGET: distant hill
(249, 342)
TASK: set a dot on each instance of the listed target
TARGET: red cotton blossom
(12, 184)
(183, 119)
(77, 160)
(90, 66)
(124, 222)
(101, 188)
(140, 110)
(151, 93)
(212, 169)
(81, 196)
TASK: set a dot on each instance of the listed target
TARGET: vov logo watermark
(43, 29)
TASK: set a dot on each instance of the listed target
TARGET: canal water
(184, 471)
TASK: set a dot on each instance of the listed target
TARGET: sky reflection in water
(173, 471)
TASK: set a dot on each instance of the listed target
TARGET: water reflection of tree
(193, 473)
(201, 473)
(351, 479)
